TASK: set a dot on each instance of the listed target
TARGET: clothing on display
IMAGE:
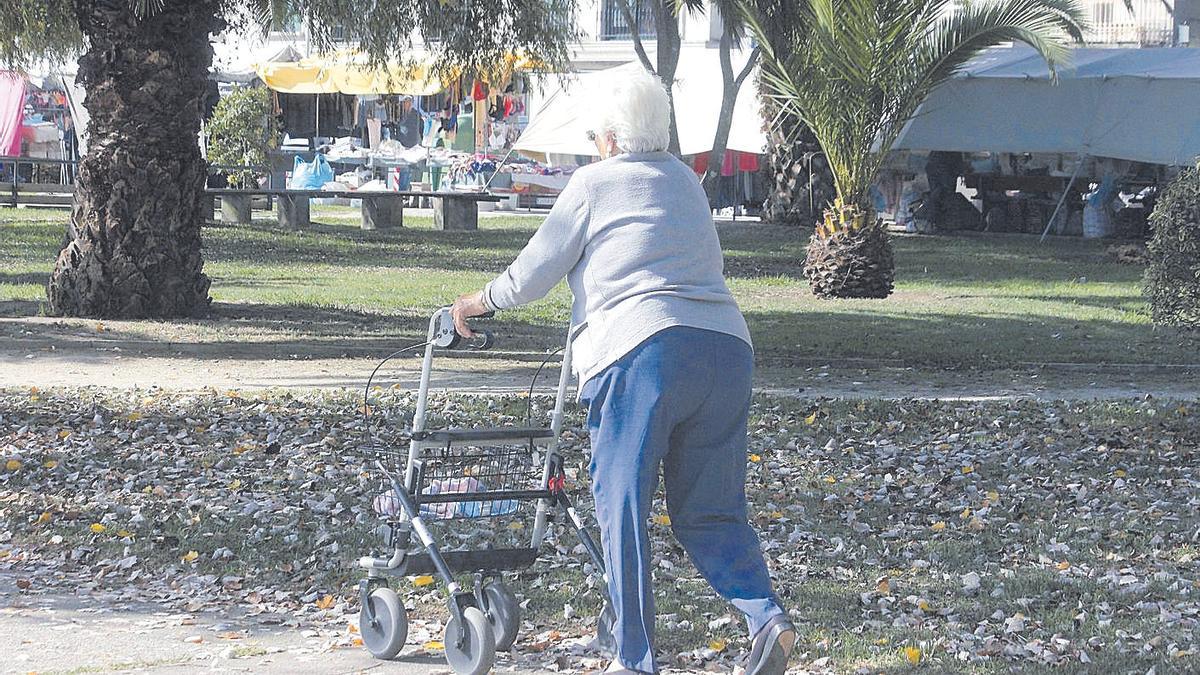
(409, 127)
(12, 99)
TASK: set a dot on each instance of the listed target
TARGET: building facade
(1152, 23)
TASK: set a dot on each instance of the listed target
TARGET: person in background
(664, 359)
(409, 125)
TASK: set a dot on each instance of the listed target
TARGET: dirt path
(40, 365)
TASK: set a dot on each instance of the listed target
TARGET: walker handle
(446, 335)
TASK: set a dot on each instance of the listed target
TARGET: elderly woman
(664, 361)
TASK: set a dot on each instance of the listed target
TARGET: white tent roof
(560, 125)
(236, 61)
(1135, 104)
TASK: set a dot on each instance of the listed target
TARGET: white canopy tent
(235, 61)
(1135, 104)
(560, 125)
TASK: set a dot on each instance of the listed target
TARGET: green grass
(980, 300)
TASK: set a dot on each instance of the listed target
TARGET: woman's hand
(465, 307)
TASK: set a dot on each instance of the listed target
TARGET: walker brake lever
(446, 336)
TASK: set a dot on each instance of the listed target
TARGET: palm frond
(144, 8)
(1038, 23)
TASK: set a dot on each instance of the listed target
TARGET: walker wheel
(477, 652)
(503, 613)
(383, 623)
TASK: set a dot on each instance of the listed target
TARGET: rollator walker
(465, 473)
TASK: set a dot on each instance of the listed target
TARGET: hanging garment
(12, 100)
(747, 162)
(374, 133)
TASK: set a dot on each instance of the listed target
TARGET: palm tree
(854, 72)
(135, 249)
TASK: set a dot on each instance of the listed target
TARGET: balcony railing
(1131, 33)
(614, 26)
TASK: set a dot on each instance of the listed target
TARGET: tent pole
(1063, 198)
(318, 120)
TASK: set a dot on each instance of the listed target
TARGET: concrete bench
(380, 210)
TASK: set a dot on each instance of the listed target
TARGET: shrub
(242, 131)
(1172, 282)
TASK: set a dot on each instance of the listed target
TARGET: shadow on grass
(238, 331)
(24, 278)
(20, 308)
(956, 340)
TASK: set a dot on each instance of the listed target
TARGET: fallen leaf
(190, 556)
(423, 580)
(662, 519)
(938, 526)
(44, 518)
(913, 655)
(12, 464)
(98, 528)
(325, 602)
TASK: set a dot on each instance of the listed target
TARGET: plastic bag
(310, 175)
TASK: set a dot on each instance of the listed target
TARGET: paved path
(62, 633)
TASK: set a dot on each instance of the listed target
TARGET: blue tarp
(1136, 104)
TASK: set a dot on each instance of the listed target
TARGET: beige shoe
(772, 647)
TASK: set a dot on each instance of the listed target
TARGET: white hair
(637, 111)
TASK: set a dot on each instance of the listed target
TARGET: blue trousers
(680, 400)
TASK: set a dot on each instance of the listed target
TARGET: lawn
(977, 537)
(986, 301)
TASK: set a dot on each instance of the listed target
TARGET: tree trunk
(139, 200)
(730, 86)
(666, 24)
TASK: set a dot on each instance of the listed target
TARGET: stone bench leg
(455, 214)
(235, 209)
(382, 214)
(293, 212)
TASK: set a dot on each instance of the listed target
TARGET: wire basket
(469, 482)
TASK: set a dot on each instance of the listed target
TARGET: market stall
(1111, 126)
(36, 122)
(397, 126)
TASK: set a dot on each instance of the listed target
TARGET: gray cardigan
(635, 238)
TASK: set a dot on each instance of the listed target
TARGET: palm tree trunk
(802, 184)
(139, 200)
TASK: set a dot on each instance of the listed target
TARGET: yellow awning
(298, 77)
(348, 73)
(352, 79)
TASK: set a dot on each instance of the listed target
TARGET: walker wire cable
(366, 408)
(529, 395)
